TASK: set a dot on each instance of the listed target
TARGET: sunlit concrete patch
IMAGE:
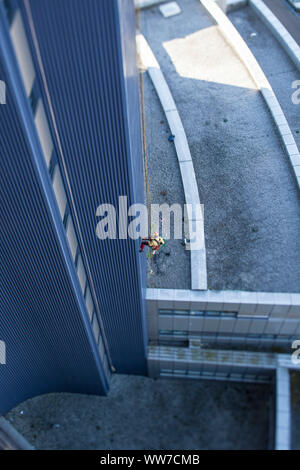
(145, 55)
(203, 55)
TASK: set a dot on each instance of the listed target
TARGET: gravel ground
(295, 397)
(252, 205)
(142, 413)
(279, 69)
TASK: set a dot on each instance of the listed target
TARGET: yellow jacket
(157, 241)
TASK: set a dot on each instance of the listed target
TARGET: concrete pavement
(288, 17)
(251, 202)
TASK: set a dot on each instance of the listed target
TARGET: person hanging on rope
(155, 242)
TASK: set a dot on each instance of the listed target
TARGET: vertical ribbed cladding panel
(47, 343)
(127, 21)
(96, 106)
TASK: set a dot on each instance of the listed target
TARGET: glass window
(212, 313)
(198, 313)
(194, 372)
(236, 376)
(101, 347)
(33, 99)
(180, 333)
(179, 372)
(59, 191)
(81, 273)
(254, 317)
(71, 236)
(96, 328)
(165, 312)
(19, 40)
(89, 303)
(181, 312)
(165, 332)
(43, 131)
(228, 314)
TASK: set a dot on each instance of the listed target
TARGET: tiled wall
(235, 312)
(235, 318)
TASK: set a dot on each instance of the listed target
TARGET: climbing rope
(149, 253)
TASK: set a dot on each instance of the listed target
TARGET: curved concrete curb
(11, 439)
(279, 31)
(198, 257)
(259, 78)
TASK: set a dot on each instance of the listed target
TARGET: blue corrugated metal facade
(88, 84)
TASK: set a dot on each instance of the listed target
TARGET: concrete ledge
(193, 359)
(273, 304)
(279, 31)
(190, 187)
(259, 78)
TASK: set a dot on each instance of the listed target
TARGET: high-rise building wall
(72, 306)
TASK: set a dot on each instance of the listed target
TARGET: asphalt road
(288, 17)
